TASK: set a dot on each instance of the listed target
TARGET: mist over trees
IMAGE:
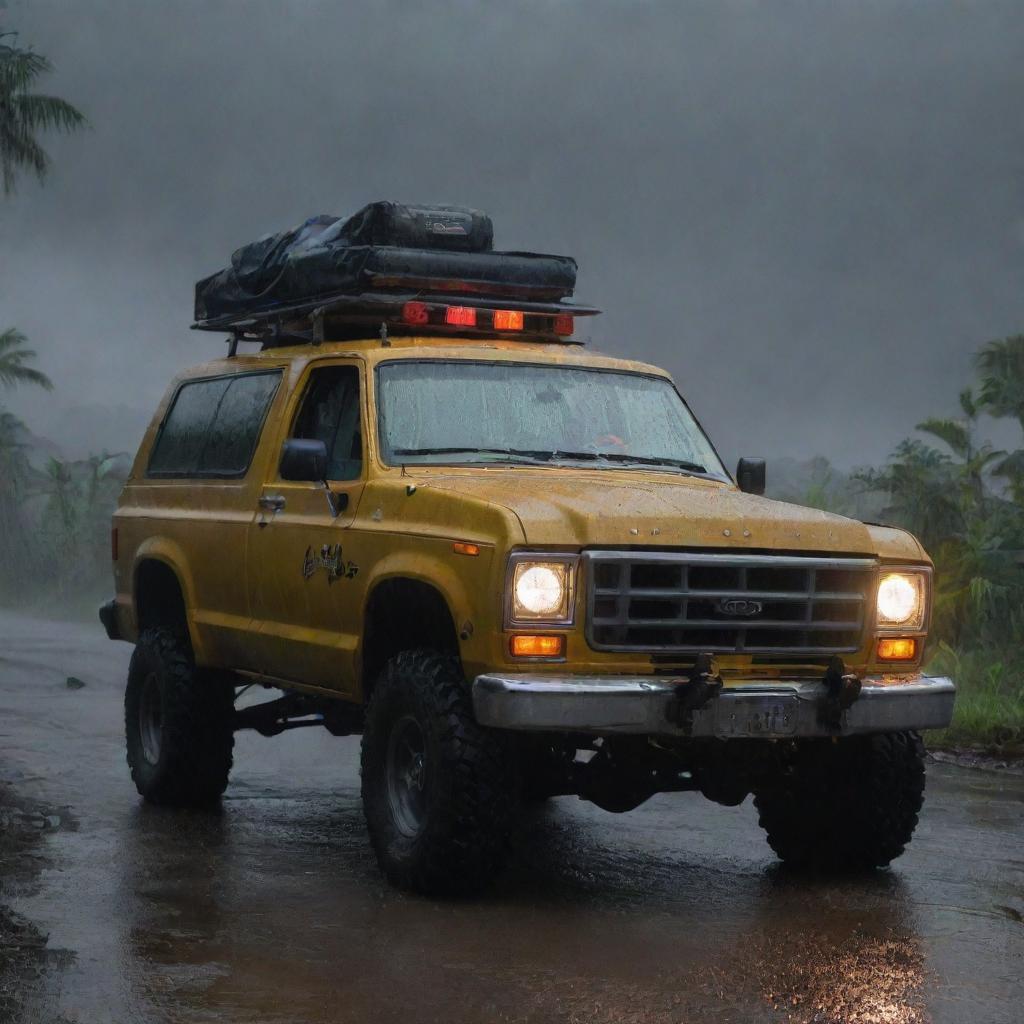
(53, 513)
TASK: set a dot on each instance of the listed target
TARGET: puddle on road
(267, 913)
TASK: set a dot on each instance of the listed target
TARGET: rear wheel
(178, 723)
(438, 789)
(849, 805)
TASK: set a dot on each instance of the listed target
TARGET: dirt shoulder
(966, 758)
(25, 956)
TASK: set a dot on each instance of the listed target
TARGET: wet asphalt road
(272, 909)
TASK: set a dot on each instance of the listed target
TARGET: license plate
(757, 715)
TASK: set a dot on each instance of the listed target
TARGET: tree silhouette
(24, 114)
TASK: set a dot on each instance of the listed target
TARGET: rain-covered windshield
(458, 411)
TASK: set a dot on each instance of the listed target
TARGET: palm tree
(1002, 394)
(13, 357)
(1002, 383)
(920, 488)
(24, 114)
(958, 436)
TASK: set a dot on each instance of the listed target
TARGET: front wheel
(438, 789)
(850, 804)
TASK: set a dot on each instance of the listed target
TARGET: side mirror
(302, 459)
(750, 475)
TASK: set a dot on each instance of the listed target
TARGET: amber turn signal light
(526, 646)
(897, 648)
(508, 320)
(465, 548)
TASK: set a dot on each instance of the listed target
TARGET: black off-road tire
(184, 758)
(850, 805)
(458, 838)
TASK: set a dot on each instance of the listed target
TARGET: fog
(812, 214)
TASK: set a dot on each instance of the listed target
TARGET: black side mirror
(750, 475)
(303, 460)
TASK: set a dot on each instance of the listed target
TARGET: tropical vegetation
(965, 501)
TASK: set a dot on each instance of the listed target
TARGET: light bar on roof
(498, 321)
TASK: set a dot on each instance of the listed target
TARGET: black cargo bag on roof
(384, 247)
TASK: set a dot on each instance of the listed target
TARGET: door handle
(272, 502)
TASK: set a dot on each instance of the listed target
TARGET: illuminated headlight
(541, 590)
(902, 598)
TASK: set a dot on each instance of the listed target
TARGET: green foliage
(25, 114)
(965, 501)
(989, 704)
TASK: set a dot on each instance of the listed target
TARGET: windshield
(457, 411)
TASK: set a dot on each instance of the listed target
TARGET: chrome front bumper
(601, 705)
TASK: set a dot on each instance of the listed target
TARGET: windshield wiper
(640, 460)
(515, 453)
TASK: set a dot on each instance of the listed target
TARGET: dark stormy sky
(811, 213)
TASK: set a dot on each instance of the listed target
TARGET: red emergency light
(415, 313)
(460, 316)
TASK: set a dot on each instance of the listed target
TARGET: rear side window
(213, 426)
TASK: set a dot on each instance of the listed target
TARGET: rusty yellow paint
(250, 607)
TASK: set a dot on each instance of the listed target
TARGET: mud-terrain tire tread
(197, 737)
(466, 838)
(851, 805)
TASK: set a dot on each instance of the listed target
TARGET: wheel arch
(403, 612)
(162, 592)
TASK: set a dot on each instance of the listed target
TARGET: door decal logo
(330, 559)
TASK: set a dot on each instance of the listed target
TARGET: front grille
(743, 604)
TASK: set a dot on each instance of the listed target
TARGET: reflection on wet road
(271, 910)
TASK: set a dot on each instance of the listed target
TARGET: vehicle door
(303, 554)
(199, 492)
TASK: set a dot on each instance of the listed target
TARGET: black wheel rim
(151, 718)
(407, 776)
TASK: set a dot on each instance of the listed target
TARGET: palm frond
(11, 338)
(954, 433)
(39, 113)
(20, 68)
(1001, 364)
(968, 403)
(12, 374)
(13, 357)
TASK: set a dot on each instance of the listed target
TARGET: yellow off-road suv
(519, 569)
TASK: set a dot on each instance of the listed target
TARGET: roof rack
(306, 322)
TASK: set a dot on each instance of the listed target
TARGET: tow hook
(703, 683)
(843, 689)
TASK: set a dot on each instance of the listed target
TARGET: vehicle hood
(627, 508)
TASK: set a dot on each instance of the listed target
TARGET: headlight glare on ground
(901, 600)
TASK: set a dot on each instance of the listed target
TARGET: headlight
(902, 597)
(541, 590)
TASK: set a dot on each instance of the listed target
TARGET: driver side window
(330, 413)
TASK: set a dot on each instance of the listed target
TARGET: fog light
(525, 646)
(897, 648)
